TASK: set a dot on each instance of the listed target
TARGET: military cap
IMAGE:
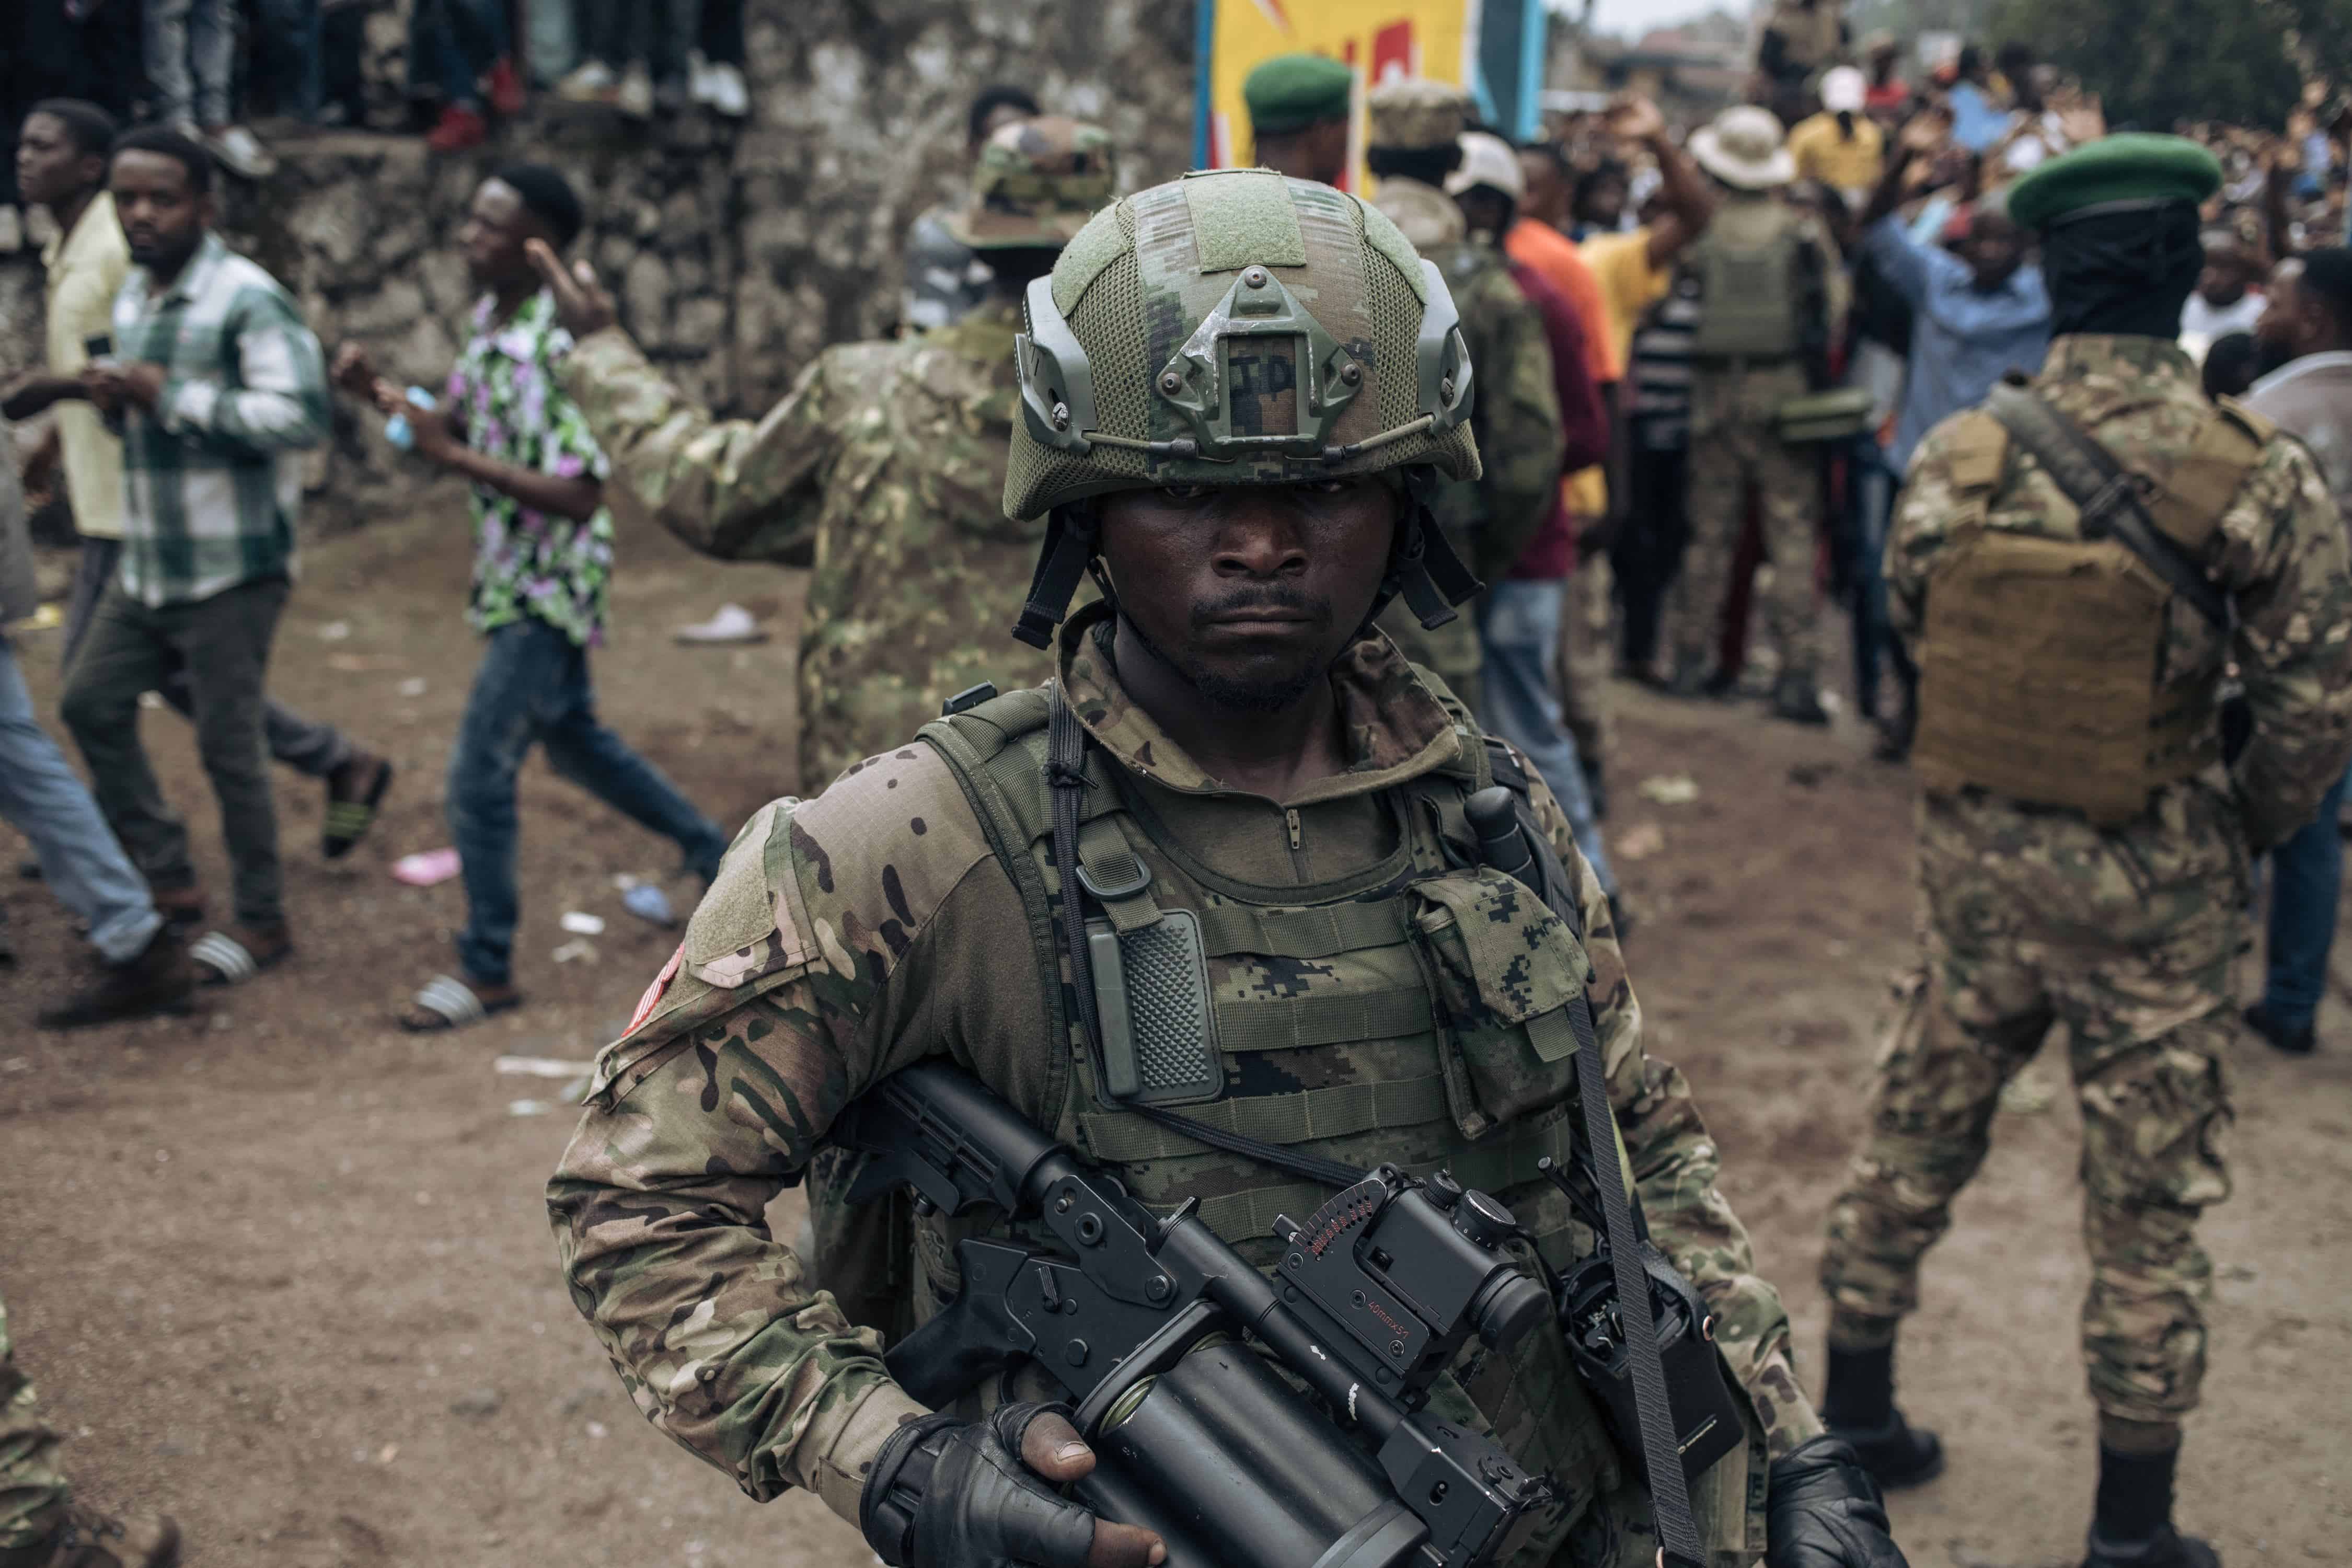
(1412, 114)
(1036, 183)
(1291, 92)
(2130, 166)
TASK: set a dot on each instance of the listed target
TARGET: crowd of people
(211, 69)
(1857, 344)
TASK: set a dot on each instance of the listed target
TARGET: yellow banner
(1379, 39)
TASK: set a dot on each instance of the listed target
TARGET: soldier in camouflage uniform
(1285, 779)
(1761, 270)
(946, 279)
(2082, 848)
(1415, 142)
(40, 1524)
(881, 471)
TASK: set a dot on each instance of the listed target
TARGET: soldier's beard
(1267, 690)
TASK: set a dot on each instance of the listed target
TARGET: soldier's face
(1249, 592)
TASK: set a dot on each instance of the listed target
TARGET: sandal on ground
(443, 1003)
(350, 817)
(226, 959)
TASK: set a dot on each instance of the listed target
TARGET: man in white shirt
(2226, 300)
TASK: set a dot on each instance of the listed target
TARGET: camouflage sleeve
(2281, 547)
(787, 999)
(1921, 523)
(1516, 417)
(1675, 1164)
(735, 489)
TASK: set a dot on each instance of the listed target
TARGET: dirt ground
(285, 1271)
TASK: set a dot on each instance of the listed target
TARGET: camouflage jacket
(2279, 552)
(889, 932)
(884, 473)
(1515, 412)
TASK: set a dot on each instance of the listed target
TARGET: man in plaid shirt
(218, 387)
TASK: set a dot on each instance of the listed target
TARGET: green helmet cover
(1235, 327)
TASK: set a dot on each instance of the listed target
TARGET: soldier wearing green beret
(1301, 109)
(2073, 566)
(1239, 398)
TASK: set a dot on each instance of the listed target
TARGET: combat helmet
(1036, 183)
(1235, 327)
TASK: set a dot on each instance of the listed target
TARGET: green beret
(1291, 92)
(2131, 166)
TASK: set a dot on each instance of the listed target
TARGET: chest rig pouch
(1750, 284)
(2040, 667)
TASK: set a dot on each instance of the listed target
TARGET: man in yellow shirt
(1841, 147)
(61, 164)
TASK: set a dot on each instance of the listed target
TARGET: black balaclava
(2123, 268)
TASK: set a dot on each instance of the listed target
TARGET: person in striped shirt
(216, 387)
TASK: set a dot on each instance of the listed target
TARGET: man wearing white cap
(1841, 147)
(1761, 277)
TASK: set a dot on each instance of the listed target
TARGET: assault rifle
(1142, 1321)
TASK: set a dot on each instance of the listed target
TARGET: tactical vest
(1413, 1013)
(1401, 1013)
(2040, 673)
(1751, 286)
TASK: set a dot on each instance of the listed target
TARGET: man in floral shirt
(542, 561)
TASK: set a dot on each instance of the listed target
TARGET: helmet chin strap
(1072, 531)
(1422, 566)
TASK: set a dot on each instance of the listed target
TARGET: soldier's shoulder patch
(880, 851)
(741, 929)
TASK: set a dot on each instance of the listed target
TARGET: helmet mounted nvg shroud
(1238, 328)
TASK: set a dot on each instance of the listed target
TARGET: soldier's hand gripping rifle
(1142, 1321)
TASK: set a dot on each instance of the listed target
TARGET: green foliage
(2155, 62)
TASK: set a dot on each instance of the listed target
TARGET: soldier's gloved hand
(1824, 1511)
(945, 1493)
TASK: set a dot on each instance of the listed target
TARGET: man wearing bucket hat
(1417, 124)
(2074, 565)
(1760, 277)
(881, 468)
(1240, 397)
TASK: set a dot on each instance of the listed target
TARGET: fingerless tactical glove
(945, 1493)
(1824, 1511)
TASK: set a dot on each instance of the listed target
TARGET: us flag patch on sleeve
(652, 998)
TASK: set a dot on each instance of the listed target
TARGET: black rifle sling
(1628, 1236)
(2105, 493)
(1628, 1246)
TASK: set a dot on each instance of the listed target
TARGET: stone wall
(737, 250)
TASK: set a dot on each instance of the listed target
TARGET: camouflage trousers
(2125, 937)
(31, 1488)
(1733, 446)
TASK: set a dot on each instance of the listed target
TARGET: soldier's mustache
(1246, 601)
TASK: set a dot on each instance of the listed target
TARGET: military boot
(88, 1538)
(159, 980)
(1859, 1406)
(2167, 1549)
(2131, 1523)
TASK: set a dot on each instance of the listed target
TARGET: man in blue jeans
(543, 563)
(146, 968)
(2306, 344)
